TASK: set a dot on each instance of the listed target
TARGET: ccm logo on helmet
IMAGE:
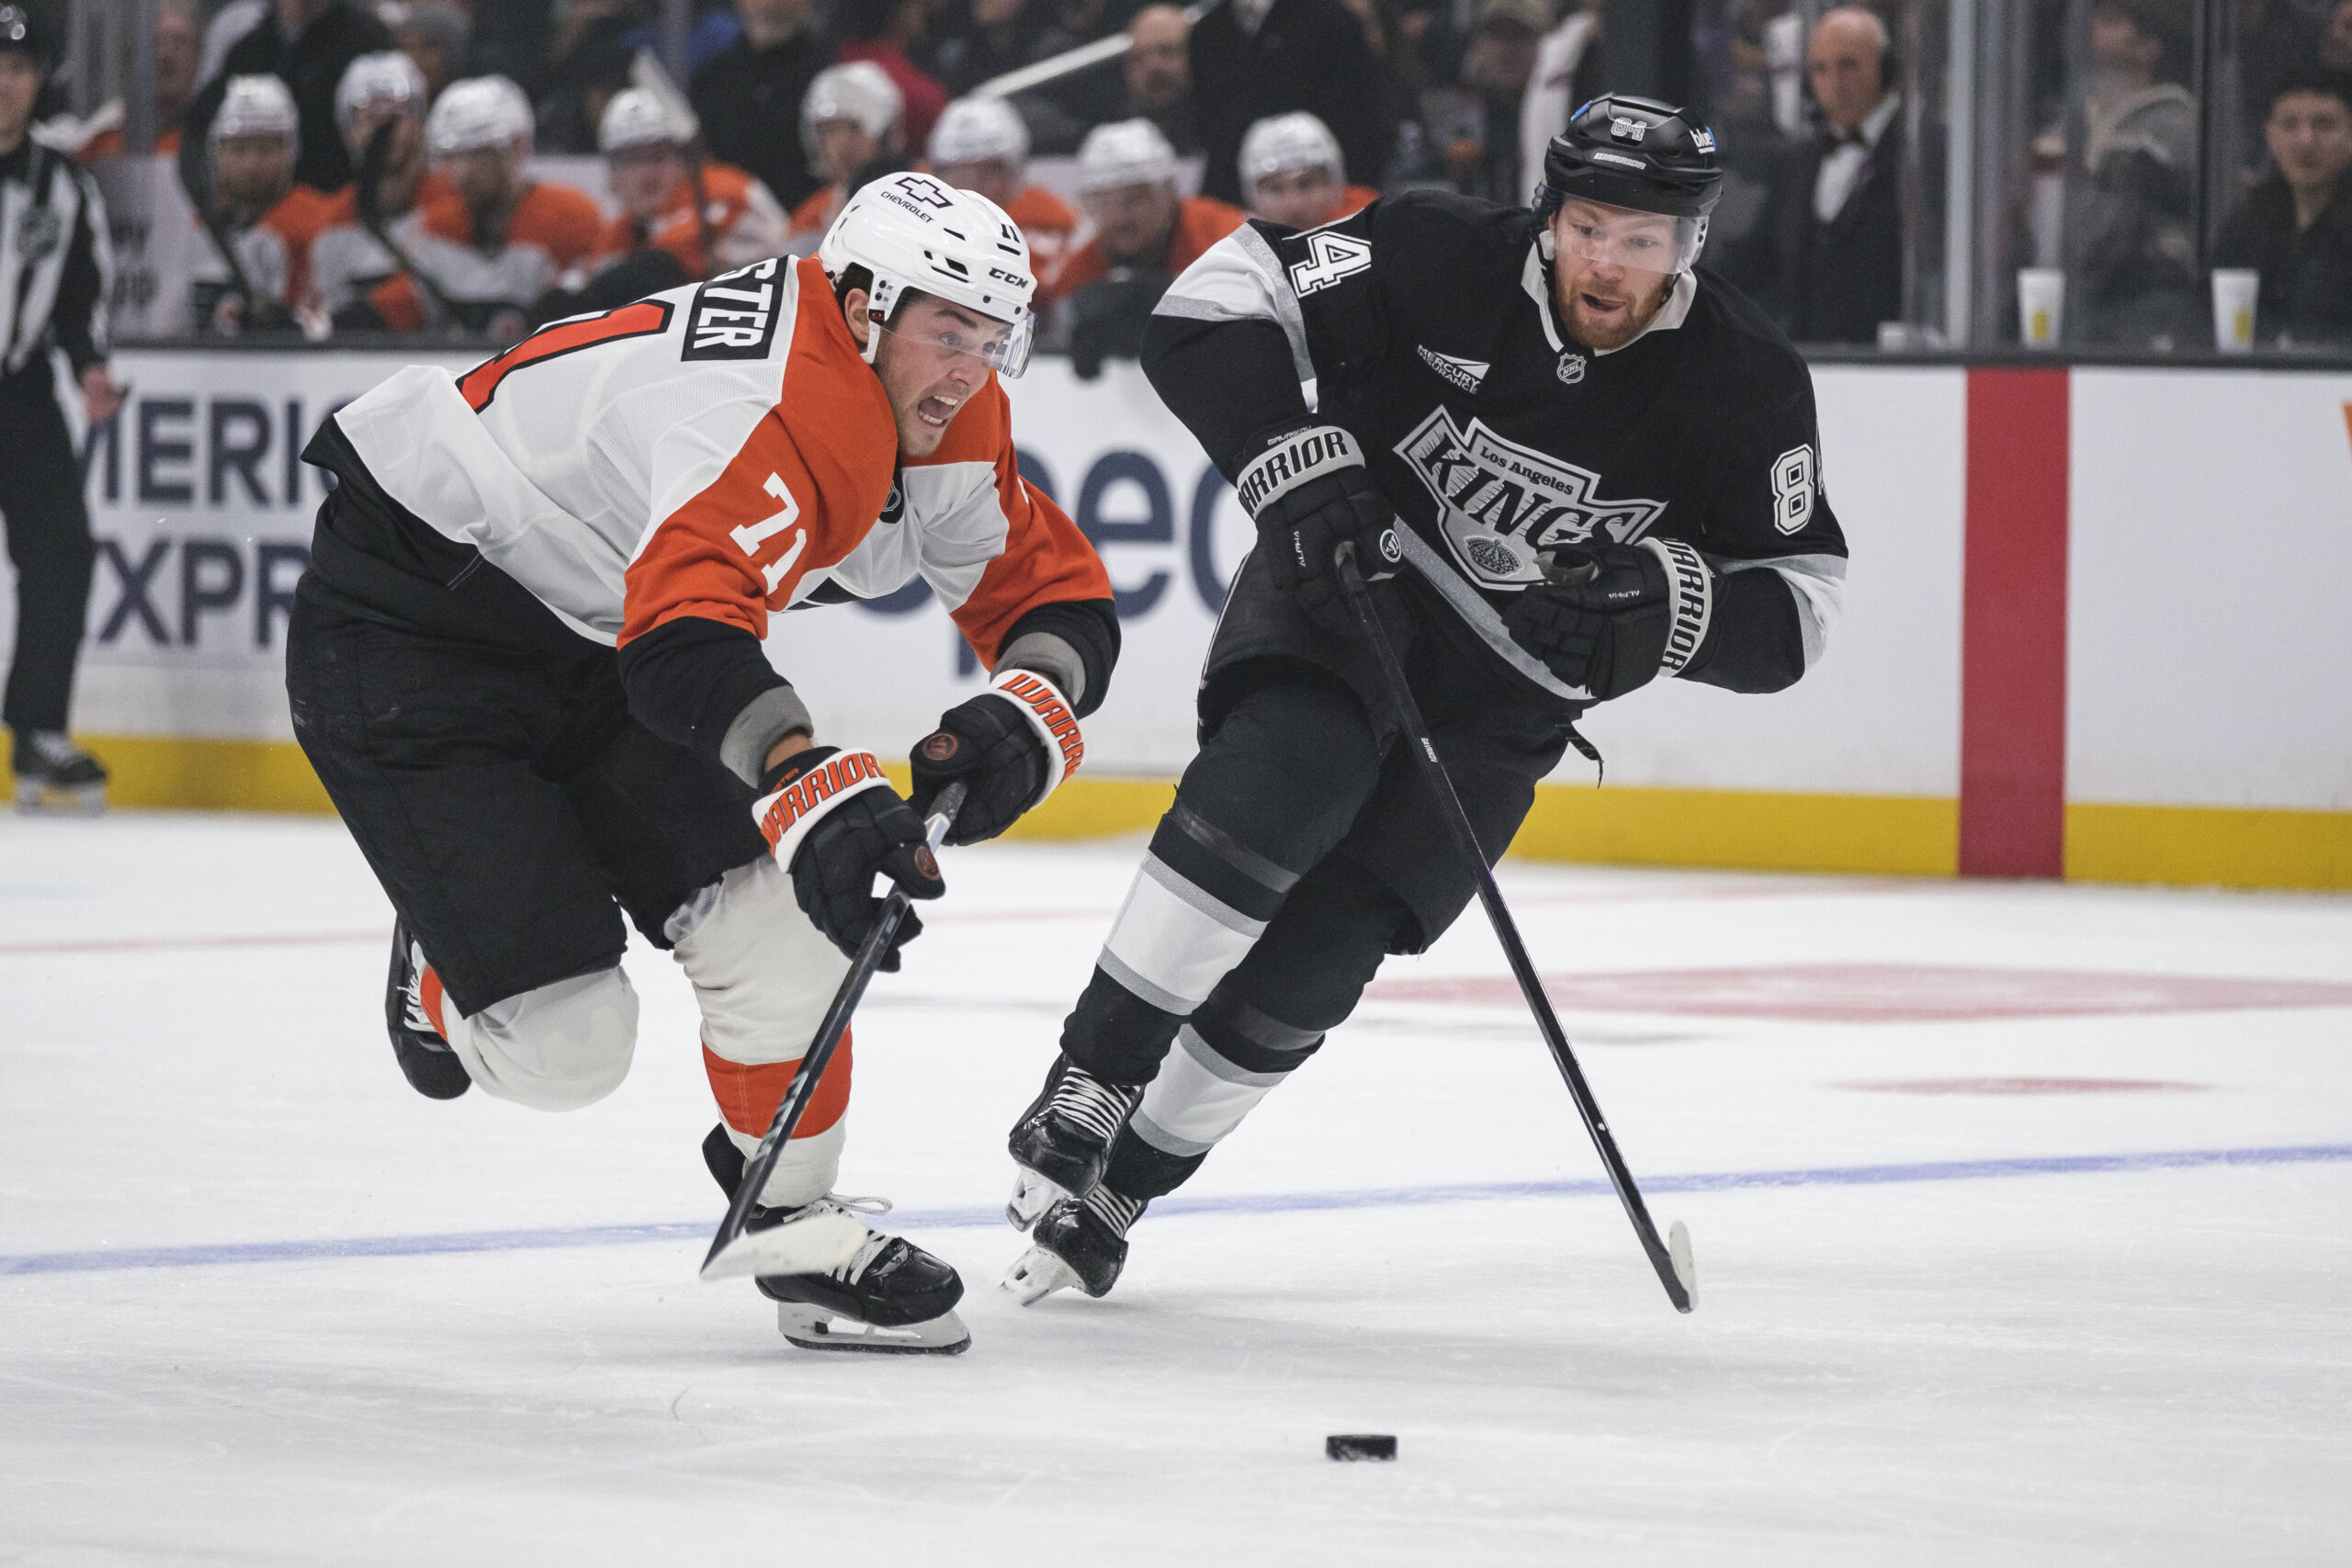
(734, 315)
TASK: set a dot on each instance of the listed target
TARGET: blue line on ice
(1239, 1203)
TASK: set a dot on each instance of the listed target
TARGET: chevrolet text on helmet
(914, 231)
(1126, 153)
(638, 117)
(254, 106)
(1286, 143)
(979, 130)
(1639, 153)
(386, 76)
(483, 111)
(861, 91)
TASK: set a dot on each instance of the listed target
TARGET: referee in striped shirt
(54, 268)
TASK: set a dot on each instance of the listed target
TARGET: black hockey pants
(49, 544)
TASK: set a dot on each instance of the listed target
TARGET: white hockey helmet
(637, 118)
(387, 76)
(482, 111)
(861, 91)
(1286, 143)
(256, 106)
(914, 231)
(1126, 153)
(979, 130)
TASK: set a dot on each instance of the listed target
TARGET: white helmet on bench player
(915, 232)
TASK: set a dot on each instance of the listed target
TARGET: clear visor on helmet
(1619, 236)
(1002, 346)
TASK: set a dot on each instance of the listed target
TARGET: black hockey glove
(832, 822)
(1308, 490)
(1609, 617)
(1011, 745)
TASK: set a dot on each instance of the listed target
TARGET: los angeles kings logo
(1499, 503)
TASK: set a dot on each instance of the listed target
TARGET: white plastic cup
(2041, 306)
(2235, 290)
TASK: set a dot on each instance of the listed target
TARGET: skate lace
(1101, 1108)
(851, 1271)
(54, 747)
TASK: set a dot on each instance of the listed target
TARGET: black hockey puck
(1360, 1445)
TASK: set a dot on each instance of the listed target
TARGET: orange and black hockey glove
(1011, 745)
(833, 821)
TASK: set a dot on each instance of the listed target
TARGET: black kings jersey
(1426, 326)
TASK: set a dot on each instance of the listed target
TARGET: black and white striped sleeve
(79, 316)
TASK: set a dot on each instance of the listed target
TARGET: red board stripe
(2013, 627)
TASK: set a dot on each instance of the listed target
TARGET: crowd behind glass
(2132, 176)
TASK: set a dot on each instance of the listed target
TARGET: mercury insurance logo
(1499, 503)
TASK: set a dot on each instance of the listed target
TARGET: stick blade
(802, 1246)
(1686, 1272)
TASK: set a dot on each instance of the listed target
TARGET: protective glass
(1002, 346)
(1618, 236)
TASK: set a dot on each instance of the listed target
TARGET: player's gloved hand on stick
(832, 820)
(1011, 745)
(1307, 490)
(1609, 617)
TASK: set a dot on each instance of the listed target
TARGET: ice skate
(54, 775)
(1076, 1243)
(1063, 1141)
(431, 1067)
(888, 1295)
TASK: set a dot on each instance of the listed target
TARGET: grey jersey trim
(765, 719)
(1203, 902)
(1050, 655)
(1818, 583)
(1239, 279)
(1201, 1051)
(1473, 608)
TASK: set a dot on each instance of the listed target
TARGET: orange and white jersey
(552, 230)
(274, 254)
(814, 216)
(1046, 222)
(741, 221)
(345, 260)
(719, 451)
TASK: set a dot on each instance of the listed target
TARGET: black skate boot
(1076, 1243)
(431, 1067)
(1063, 1141)
(54, 775)
(891, 1297)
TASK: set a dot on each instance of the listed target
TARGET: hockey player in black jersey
(1576, 465)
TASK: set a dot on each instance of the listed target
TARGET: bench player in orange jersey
(853, 126)
(347, 262)
(267, 220)
(1292, 174)
(526, 664)
(981, 144)
(706, 217)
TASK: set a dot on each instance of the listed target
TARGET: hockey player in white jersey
(659, 479)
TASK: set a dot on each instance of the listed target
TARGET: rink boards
(2091, 628)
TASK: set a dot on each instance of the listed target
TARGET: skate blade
(814, 1328)
(1677, 1252)
(817, 1245)
(35, 798)
(1032, 1196)
(1036, 1274)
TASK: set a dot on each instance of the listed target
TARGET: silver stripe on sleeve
(1481, 618)
(1239, 279)
(765, 719)
(1050, 655)
(1818, 584)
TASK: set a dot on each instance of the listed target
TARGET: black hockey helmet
(1635, 152)
(20, 34)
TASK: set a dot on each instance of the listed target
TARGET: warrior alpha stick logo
(1499, 503)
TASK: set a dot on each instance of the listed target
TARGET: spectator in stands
(1825, 256)
(596, 44)
(1145, 234)
(307, 44)
(981, 144)
(2139, 281)
(1159, 70)
(1085, 99)
(1255, 58)
(1002, 36)
(2335, 43)
(259, 215)
(1501, 64)
(881, 31)
(484, 249)
(1294, 175)
(701, 217)
(749, 95)
(436, 34)
(380, 112)
(175, 61)
(2296, 227)
(853, 125)
(1570, 68)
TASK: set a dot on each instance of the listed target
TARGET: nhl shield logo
(1571, 367)
(39, 234)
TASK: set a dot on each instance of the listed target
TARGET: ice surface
(1960, 1340)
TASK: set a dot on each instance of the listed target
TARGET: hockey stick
(822, 1241)
(1670, 1257)
(368, 202)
